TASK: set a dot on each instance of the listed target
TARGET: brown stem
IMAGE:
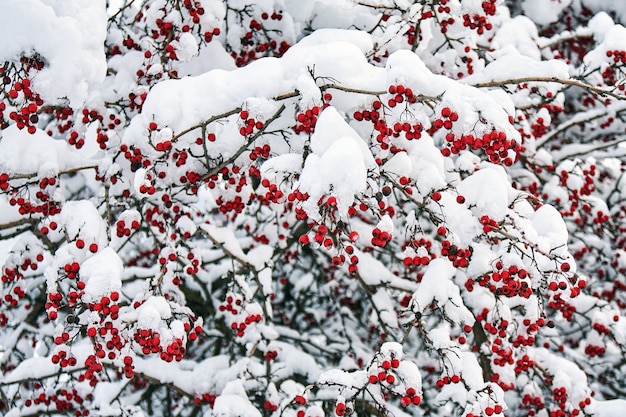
(601, 91)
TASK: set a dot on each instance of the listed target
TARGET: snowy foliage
(313, 208)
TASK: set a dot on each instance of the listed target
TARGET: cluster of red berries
(508, 282)
(53, 304)
(340, 408)
(115, 343)
(557, 303)
(539, 127)
(80, 244)
(64, 401)
(610, 77)
(411, 131)
(166, 146)
(236, 205)
(174, 351)
(63, 359)
(617, 55)
(447, 380)
(46, 208)
(495, 144)
(240, 328)
(270, 355)
(249, 123)
(446, 121)
(489, 411)
(233, 176)
(380, 238)
(12, 300)
(593, 350)
(205, 398)
(122, 229)
(149, 341)
(410, 397)
(523, 364)
(94, 367)
(369, 115)
(257, 40)
(4, 181)
(179, 157)
(488, 223)
(398, 94)
(27, 116)
(135, 101)
(75, 140)
(532, 404)
(601, 329)
(210, 34)
(135, 157)
(270, 406)
(306, 120)
(234, 305)
(107, 306)
(459, 257)
(11, 274)
(380, 125)
(260, 152)
(249, 54)
(383, 374)
(423, 245)
(273, 194)
(129, 369)
(477, 22)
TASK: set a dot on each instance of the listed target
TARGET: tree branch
(576, 83)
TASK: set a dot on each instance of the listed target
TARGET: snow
(343, 378)
(340, 162)
(516, 37)
(89, 225)
(543, 12)
(460, 221)
(338, 166)
(515, 65)
(30, 369)
(42, 151)
(610, 408)
(612, 39)
(70, 37)
(102, 274)
(225, 237)
(437, 286)
(486, 191)
(294, 361)
(186, 47)
(427, 165)
(234, 405)
(550, 228)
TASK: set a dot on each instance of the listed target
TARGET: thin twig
(576, 83)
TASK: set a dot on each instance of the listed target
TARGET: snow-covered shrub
(312, 208)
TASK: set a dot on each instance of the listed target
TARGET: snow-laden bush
(312, 208)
